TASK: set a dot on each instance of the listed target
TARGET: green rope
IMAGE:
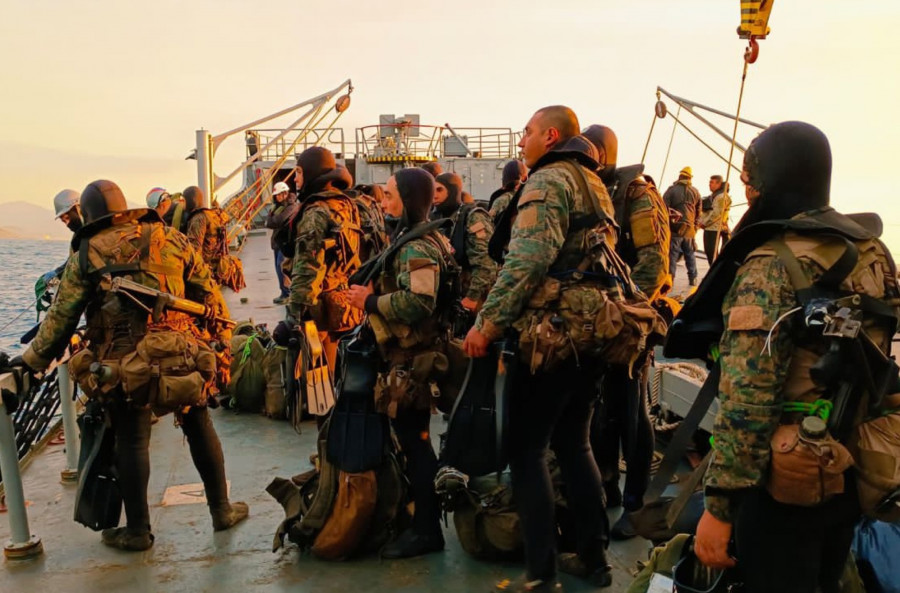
(821, 408)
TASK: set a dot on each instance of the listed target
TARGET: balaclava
(453, 183)
(604, 139)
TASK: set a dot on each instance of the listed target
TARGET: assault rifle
(157, 301)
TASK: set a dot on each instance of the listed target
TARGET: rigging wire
(16, 318)
(671, 139)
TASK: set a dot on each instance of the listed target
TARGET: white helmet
(65, 201)
(155, 196)
(280, 188)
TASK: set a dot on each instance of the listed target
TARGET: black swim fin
(98, 501)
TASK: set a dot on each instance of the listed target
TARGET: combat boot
(228, 515)
(130, 540)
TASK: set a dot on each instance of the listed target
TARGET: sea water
(22, 262)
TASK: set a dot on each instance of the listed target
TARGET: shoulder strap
(590, 198)
(372, 268)
(831, 279)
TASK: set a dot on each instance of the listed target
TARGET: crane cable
(750, 55)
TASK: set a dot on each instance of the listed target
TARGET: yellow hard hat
(686, 172)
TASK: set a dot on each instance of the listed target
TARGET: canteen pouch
(640, 328)
(876, 450)
(80, 371)
(806, 472)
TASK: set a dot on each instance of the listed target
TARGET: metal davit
(309, 129)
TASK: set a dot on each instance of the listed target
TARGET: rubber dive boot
(623, 529)
(229, 515)
(524, 585)
(411, 544)
(613, 494)
(599, 575)
(130, 540)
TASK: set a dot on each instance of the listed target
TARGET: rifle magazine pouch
(544, 343)
(876, 449)
(645, 228)
(806, 472)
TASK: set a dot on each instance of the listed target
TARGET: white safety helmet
(280, 188)
(65, 201)
(156, 195)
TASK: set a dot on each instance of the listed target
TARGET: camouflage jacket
(500, 204)
(644, 244)
(765, 360)
(478, 269)
(409, 287)
(541, 242)
(171, 265)
(327, 248)
(206, 232)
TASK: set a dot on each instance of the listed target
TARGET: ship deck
(189, 556)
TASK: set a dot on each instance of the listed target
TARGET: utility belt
(589, 317)
(168, 370)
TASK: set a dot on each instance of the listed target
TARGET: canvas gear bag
(247, 385)
(230, 272)
(273, 369)
(337, 514)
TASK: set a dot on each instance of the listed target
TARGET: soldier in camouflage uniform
(368, 200)
(469, 232)
(326, 253)
(514, 175)
(139, 244)
(548, 242)
(622, 418)
(409, 316)
(205, 228)
(765, 357)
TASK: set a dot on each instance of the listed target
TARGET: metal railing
(404, 141)
(292, 143)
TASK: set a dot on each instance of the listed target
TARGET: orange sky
(96, 89)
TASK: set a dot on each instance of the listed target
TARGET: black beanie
(416, 187)
(604, 139)
(453, 183)
(513, 172)
(315, 161)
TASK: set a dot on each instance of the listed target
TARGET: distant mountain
(23, 220)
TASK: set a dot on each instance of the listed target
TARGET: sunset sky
(103, 89)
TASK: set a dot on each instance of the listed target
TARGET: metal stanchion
(22, 544)
(70, 426)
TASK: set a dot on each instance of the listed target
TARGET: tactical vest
(115, 324)
(342, 242)
(642, 224)
(428, 332)
(215, 243)
(374, 238)
(459, 232)
(873, 275)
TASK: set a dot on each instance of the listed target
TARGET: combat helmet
(100, 200)
(65, 201)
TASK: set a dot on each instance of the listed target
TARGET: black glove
(24, 376)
